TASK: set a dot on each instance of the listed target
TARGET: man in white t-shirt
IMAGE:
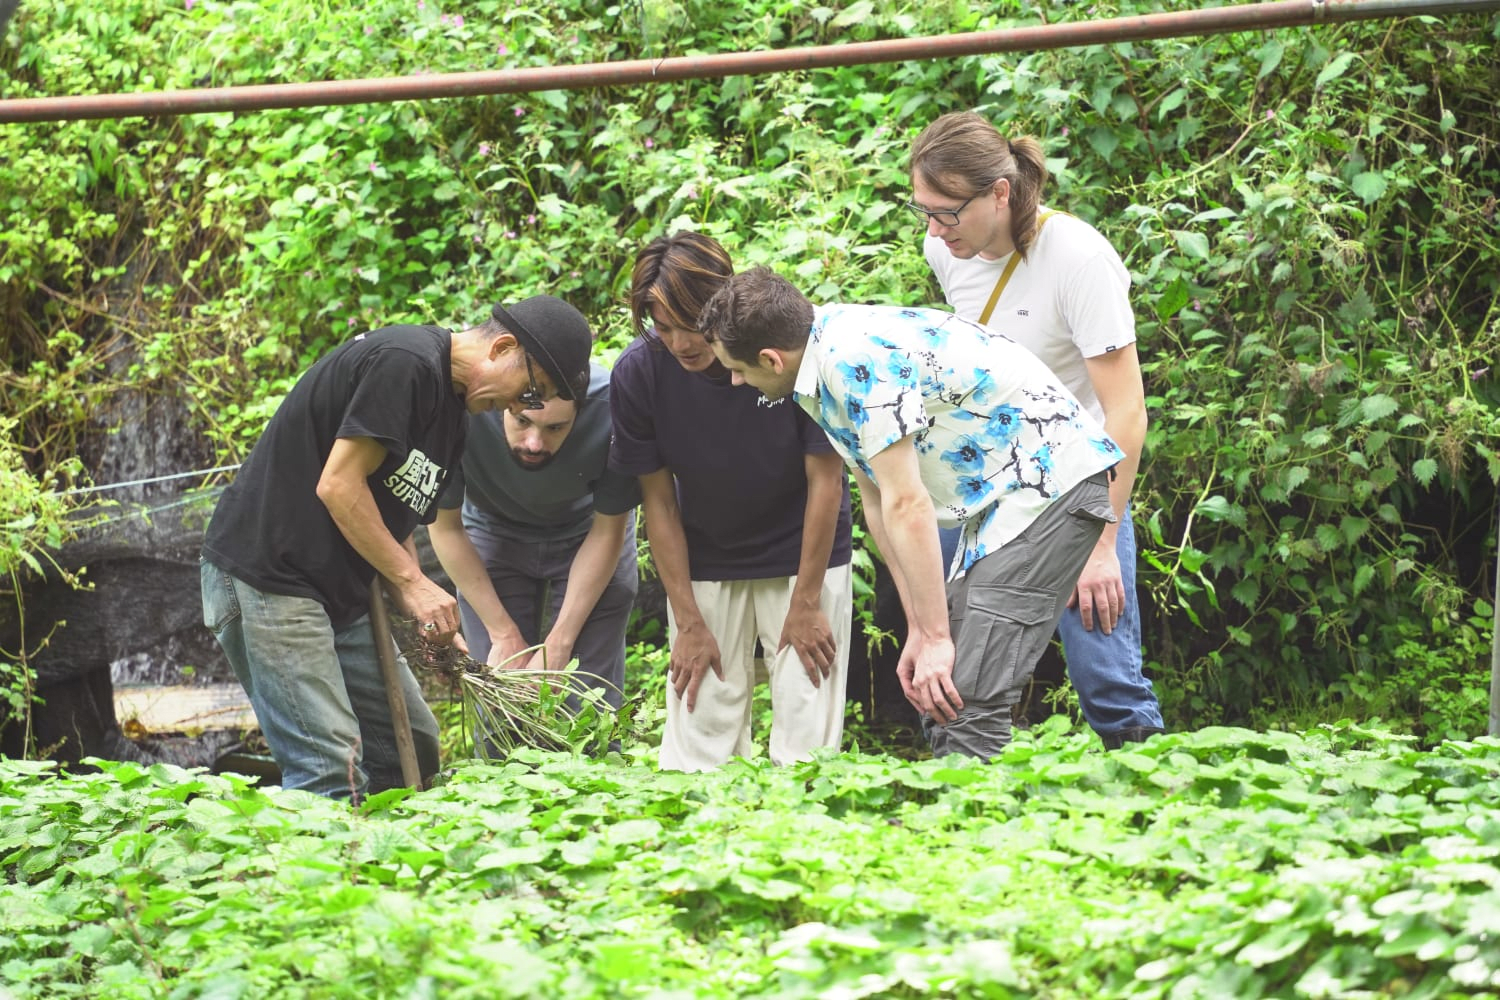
(1053, 284)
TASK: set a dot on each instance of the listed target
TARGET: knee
(618, 597)
(980, 731)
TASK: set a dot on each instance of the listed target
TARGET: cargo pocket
(1000, 635)
(1089, 500)
(220, 603)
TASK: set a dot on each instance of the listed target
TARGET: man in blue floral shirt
(942, 422)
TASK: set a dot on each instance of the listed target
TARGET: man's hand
(506, 648)
(693, 654)
(551, 657)
(806, 630)
(926, 674)
(433, 609)
(1100, 591)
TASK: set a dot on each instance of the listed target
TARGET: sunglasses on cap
(531, 397)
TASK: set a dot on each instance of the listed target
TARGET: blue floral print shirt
(998, 438)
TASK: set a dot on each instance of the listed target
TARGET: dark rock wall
(140, 567)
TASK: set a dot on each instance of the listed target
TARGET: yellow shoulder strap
(1010, 268)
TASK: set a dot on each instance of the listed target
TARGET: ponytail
(1030, 176)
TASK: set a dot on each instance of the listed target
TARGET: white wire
(106, 522)
(146, 482)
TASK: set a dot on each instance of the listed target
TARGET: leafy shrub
(34, 520)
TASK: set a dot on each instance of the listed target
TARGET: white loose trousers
(802, 716)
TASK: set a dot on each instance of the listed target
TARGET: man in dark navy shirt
(356, 456)
(747, 512)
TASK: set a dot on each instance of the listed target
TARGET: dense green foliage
(33, 519)
(1221, 863)
(1309, 215)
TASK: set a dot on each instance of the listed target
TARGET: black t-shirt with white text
(393, 385)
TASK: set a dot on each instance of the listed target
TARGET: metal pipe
(261, 97)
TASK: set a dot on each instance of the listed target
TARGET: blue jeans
(317, 693)
(1106, 670)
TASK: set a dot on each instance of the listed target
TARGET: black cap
(557, 336)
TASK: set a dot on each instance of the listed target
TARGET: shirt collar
(807, 374)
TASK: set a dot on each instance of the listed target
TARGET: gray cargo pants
(1004, 611)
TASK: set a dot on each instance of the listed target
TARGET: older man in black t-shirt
(356, 456)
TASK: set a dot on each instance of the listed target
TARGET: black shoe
(1131, 734)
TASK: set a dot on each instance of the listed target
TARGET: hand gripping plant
(508, 706)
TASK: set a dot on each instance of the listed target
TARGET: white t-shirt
(1067, 301)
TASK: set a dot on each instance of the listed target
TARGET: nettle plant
(1218, 863)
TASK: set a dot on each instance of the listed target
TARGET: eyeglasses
(944, 216)
(531, 397)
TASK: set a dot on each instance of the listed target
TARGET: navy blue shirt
(737, 458)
